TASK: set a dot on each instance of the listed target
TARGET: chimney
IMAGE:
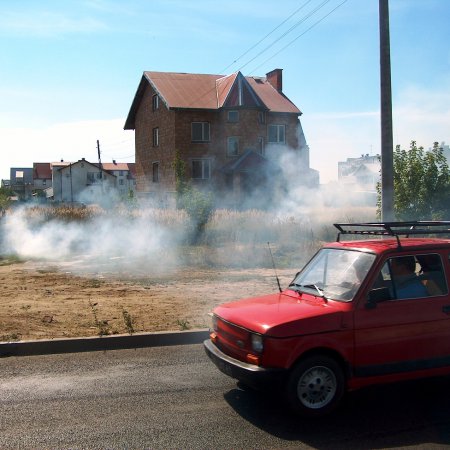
(114, 162)
(275, 78)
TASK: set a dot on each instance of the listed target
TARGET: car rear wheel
(315, 386)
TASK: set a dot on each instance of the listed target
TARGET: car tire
(315, 386)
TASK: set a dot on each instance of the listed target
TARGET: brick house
(230, 131)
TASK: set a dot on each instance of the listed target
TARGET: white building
(85, 182)
(363, 172)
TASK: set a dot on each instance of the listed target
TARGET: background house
(82, 182)
(21, 182)
(42, 178)
(232, 133)
(125, 174)
(363, 172)
(86, 182)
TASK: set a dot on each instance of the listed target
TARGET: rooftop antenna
(274, 268)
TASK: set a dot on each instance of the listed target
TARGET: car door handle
(446, 309)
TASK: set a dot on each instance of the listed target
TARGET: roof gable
(239, 93)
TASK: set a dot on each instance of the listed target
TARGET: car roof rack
(395, 229)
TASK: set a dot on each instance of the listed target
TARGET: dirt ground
(40, 300)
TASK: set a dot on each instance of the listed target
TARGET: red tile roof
(203, 91)
(114, 166)
(42, 171)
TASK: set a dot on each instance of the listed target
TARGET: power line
(302, 20)
(299, 36)
(266, 36)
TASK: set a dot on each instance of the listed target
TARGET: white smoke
(103, 243)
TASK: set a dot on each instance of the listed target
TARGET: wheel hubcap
(317, 387)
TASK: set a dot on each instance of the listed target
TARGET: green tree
(198, 205)
(179, 167)
(421, 184)
(5, 197)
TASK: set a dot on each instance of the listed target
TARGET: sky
(69, 70)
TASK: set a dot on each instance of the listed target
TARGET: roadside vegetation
(421, 184)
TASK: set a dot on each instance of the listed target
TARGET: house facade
(21, 182)
(363, 172)
(231, 132)
(125, 176)
(42, 176)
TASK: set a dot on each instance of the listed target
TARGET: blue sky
(69, 69)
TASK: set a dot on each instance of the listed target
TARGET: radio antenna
(274, 268)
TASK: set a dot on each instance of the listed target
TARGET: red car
(361, 312)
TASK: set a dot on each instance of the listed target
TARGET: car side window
(432, 274)
(413, 277)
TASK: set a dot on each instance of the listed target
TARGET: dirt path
(41, 300)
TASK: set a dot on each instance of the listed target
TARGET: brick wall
(175, 134)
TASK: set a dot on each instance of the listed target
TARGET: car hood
(285, 314)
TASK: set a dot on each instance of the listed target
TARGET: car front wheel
(315, 386)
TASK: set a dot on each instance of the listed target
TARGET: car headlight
(257, 343)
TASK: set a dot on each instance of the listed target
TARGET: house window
(261, 117)
(233, 116)
(261, 145)
(121, 182)
(200, 131)
(232, 146)
(277, 134)
(155, 102)
(155, 137)
(92, 177)
(201, 169)
(155, 172)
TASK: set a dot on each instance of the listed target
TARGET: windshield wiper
(314, 286)
(309, 286)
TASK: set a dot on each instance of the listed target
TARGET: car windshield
(334, 274)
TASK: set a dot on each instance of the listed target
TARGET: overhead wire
(300, 35)
(293, 27)
(266, 36)
(299, 22)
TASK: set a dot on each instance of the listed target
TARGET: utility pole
(100, 164)
(387, 146)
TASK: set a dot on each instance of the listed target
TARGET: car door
(403, 335)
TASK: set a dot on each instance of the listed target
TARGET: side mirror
(378, 295)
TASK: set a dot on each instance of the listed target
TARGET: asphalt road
(174, 398)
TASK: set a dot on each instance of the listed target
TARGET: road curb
(90, 344)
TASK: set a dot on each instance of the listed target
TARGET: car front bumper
(248, 374)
